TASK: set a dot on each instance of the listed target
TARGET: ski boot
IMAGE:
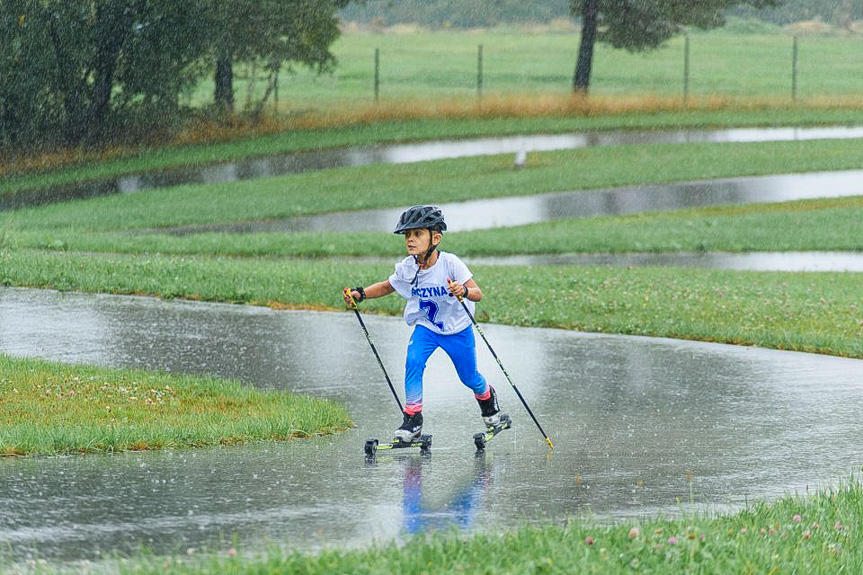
(494, 420)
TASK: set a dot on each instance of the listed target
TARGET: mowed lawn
(94, 245)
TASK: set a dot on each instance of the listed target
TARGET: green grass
(443, 64)
(379, 186)
(90, 409)
(86, 168)
(817, 534)
(805, 225)
(810, 312)
(817, 312)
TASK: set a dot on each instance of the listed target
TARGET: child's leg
(461, 348)
(422, 344)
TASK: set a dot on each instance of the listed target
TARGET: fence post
(685, 69)
(479, 72)
(377, 73)
(794, 71)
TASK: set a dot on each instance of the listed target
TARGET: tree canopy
(473, 13)
(272, 31)
(638, 25)
(79, 73)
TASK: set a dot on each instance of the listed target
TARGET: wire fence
(375, 68)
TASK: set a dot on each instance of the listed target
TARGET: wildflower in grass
(672, 540)
(807, 535)
(634, 532)
(838, 526)
(589, 540)
(763, 531)
(797, 518)
(743, 530)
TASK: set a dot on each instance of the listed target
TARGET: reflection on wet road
(752, 261)
(522, 210)
(269, 166)
(638, 424)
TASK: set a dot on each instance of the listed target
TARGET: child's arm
(379, 289)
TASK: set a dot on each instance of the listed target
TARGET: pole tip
(550, 444)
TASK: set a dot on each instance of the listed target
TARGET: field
(430, 65)
(64, 247)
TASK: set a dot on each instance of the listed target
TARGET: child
(429, 279)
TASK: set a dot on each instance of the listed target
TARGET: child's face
(418, 242)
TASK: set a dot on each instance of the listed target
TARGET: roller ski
(409, 434)
(481, 439)
(494, 420)
(424, 442)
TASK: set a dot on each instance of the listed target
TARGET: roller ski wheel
(479, 441)
(424, 442)
(482, 439)
(371, 447)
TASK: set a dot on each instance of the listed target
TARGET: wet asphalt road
(640, 425)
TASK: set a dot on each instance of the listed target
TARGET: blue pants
(461, 349)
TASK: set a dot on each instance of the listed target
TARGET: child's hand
(456, 289)
(351, 297)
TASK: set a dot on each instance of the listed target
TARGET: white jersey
(429, 303)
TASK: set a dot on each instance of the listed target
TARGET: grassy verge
(806, 225)
(806, 312)
(442, 181)
(384, 125)
(819, 534)
(98, 410)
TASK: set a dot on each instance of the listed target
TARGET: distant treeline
(839, 13)
(455, 13)
(486, 13)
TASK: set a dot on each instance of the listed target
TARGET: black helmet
(421, 217)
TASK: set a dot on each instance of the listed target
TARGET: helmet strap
(421, 265)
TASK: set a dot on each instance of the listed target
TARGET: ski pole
(503, 369)
(372, 344)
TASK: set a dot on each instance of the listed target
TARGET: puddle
(753, 261)
(523, 210)
(264, 167)
(638, 424)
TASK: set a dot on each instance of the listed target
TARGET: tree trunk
(589, 11)
(845, 15)
(103, 84)
(224, 94)
(114, 23)
(70, 91)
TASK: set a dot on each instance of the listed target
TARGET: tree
(74, 67)
(271, 32)
(639, 25)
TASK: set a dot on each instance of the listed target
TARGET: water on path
(638, 424)
(752, 261)
(269, 166)
(522, 210)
